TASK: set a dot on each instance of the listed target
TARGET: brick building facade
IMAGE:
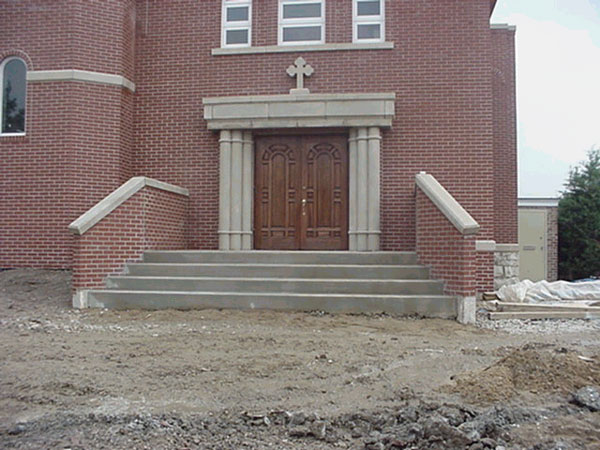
(124, 88)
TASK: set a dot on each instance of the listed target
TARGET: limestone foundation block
(465, 310)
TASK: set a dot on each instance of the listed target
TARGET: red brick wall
(440, 70)
(439, 245)
(91, 138)
(35, 190)
(485, 272)
(78, 141)
(75, 152)
(505, 136)
(150, 219)
(96, 35)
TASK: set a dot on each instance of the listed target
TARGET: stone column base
(466, 310)
(80, 299)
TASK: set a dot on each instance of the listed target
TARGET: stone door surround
(363, 114)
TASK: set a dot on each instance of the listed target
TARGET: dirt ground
(261, 379)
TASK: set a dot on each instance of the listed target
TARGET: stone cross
(299, 70)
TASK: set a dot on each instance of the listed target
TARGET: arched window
(12, 96)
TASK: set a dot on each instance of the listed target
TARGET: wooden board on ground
(507, 306)
(544, 315)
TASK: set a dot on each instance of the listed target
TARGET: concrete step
(349, 271)
(347, 282)
(425, 305)
(280, 257)
(277, 285)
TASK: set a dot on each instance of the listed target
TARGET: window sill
(302, 48)
(6, 135)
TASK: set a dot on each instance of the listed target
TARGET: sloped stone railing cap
(112, 201)
(454, 212)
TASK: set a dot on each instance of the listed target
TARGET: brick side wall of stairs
(151, 219)
(450, 255)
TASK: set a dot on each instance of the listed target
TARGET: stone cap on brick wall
(456, 214)
(109, 203)
(538, 202)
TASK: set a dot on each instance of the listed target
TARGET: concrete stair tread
(276, 279)
(283, 257)
(267, 294)
(441, 306)
(278, 284)
(278, 252)
(269, 270)
(267, 265)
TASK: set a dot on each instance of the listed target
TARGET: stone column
(236, 186)
(364, 189)
(247, 189)
(373, 185)
(352, 199)
(236, 191)
(224, 189)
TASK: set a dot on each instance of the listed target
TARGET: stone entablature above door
(300, 111)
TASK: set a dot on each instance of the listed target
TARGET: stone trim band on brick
(298, 111)
(80, 75)
(540, 202)
(492, 246)
(440, 197)
(118, 197)
(301, 48)
(485, 246)
(503, 26)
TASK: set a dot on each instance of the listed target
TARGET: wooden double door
(301, 192)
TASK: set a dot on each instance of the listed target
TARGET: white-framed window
(236, 23)
(13, 80)
(368, 20)
(301, 22)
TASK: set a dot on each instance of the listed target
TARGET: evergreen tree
(579, 221)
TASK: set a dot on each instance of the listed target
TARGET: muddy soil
(261, 379)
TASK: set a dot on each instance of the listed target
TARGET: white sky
(558, 87)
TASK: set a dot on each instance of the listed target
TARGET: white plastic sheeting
(558, 292)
